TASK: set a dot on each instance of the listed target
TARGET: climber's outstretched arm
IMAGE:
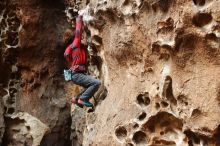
(77, 39)
(78, 32)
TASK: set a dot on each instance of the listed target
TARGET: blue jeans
(90, 84)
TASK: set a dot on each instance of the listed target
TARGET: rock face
(159, 62)
(31, 73)
(160, 66)
(27, 129)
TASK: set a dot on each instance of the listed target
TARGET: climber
(76, 55)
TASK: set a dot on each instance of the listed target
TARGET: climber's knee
(97, 84)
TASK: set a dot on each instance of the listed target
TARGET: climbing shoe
(85, 102)
(75, 101)
(90, 110)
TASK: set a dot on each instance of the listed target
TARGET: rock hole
(163, 5)
(12, 91)
(163, 121)
(135, 126)
(104, 94)
(31, 80)
(36, 85)
(139, 138)
(212, 36)
(190, 143)
(121, 132)
(212, 42)
(164, 104)
(134, 4)
(97, 60)
(143, 99)
(164, 55)
(72, 13)
(162, 133)
(126, 2)
(11, 83)
(3, 24)
(87, 2)
(10, 111)
(168, 90)
(157, 105)
(196, 113)
(186, 44)
(142, 116)
(97, 39)
(129, 144)
(155, 48)
(193, 138)
(12, 39)
(22, 84)
(217, 136)
(199, 2)
(14, 76)
(165, 26)
(101, 95)
(182, 99)
(28, 127)
(202, 19)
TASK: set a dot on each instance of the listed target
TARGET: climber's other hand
(81, 12)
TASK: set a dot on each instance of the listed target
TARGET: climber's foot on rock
(75, 101)
(85, 102)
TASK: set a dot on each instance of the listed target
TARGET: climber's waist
(78, 68)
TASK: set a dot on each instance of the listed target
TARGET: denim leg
(81, 92)
(90, 84)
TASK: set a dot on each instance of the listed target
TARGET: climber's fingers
(81, 12)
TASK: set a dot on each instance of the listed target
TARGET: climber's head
(68, 36)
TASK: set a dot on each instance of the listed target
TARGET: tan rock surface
(160, 65)
(159, 62)
(25, 129)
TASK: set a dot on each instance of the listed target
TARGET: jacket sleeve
(78, 32)
(67, 54)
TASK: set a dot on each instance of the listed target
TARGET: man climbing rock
(76, 55)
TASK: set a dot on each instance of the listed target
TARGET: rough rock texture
(27, 129)
(159, 62)
(31, 66)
